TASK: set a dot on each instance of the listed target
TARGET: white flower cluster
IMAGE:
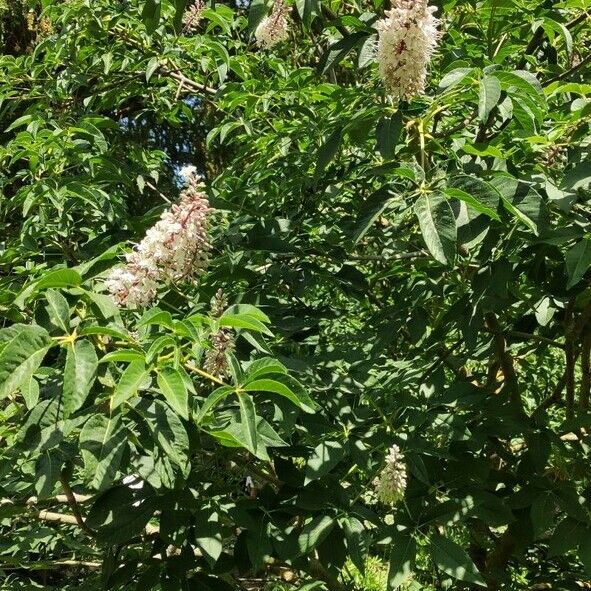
(274, 27)
(193, 15)
(175, 248)
(391, 483)
(407, 38)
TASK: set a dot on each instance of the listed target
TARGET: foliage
(412, 274)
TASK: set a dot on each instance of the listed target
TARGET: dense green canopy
(381, 273)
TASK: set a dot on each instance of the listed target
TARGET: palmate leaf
(22, 349)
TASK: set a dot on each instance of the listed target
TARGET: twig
(554, 397)
(570, 358)
(59, 499)
(585, 371)
(160, 194)
(504, 358)
(570, 71)
(74, 506)
(533, 337)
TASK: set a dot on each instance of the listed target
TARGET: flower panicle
(176, 248)
(407, 38)
(391, 483)
(193, 15)
(274, 27)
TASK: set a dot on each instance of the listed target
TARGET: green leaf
(212, 401)
(327, 151)
(59, 278)
(357, 541)
(522, 201)
(471, 201)
(152, 67)
(244, 321)
(326, 456)
(388, 134)
(438, 226)
(314, 532)
(369, 211)
(208, 536)
(248, 421)
(578, 261)
(248, 310)
(453, 560)
(58, 309)
(102, 443)
(168, 431)
(30, 392)
(23, 349)
(488, 96)
(151, 15)
(47, 472)
(278, 386)
(257, 12)
(307, 9)
(454, 77)
(133, 377)
(122, 355)
(339, 50)
(172, 385)
(402, 559)
(263, 366)
(120, 514)
(79, 375)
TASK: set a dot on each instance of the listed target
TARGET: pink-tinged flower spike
(274, 27)
(177, 247)
(407, 38)
(391, 483)
(193, 15)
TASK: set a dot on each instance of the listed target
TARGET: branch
(176, 75)
(59, 499)
(570, 71)
(554, 397)
(585, 371)
(74, 506)
(528, 336)
(330, 15)
(504, 358)
(540, 35)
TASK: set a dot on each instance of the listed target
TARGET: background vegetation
(412, 274)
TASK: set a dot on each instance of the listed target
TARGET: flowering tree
(295, 290)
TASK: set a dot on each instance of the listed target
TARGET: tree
(408, 275)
